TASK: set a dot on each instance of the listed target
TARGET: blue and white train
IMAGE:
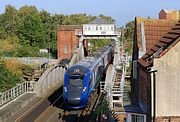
(83, 77)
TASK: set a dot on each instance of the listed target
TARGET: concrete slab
(15, 105)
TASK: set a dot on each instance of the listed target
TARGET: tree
(107, 18)
(9, 21)
(7, 78)
(32, 31)
(36, 28)
(129, 31)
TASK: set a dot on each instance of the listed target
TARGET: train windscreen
(76, 81)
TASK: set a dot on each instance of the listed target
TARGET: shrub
(7, 78)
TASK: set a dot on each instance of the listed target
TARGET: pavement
(13, 109)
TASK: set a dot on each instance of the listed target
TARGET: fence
(14, 92)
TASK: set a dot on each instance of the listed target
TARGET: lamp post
(49, 56)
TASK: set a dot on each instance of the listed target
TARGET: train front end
(75, 90)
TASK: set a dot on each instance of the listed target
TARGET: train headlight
(65, 89)
(84, 89)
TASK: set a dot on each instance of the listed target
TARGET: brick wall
(67, 41)
(144, 85)
(162, 15)
(144, 79)
(172, 15)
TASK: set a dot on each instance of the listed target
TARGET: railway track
(83, 114)
(53, 109)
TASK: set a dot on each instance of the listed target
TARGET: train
(82, 78)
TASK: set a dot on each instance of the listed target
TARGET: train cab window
(76, 78)
(76, 81)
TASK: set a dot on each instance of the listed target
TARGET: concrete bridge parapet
(50, 81)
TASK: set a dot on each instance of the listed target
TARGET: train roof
(88, 61)
(100, 51)
(94, 58)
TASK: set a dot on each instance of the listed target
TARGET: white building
(99, 27)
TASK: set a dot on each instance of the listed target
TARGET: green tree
(25, 10)
(32, 32)
(9, 22)
(128, 33)
(7, 78)
(107, 18)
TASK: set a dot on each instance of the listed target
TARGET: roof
(169, 10)
(99, 20)
(134, 109)
(162, 46)
(69, 27)
(153, 29)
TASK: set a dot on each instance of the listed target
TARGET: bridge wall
(50, 81)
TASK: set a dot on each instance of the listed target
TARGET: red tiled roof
(153, 29)
(161, 45)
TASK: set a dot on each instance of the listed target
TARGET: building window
(137, 118)
(65, 49)
(96, 27)
(89, 28)
(100, 28)
(85, 28)
(112, 28)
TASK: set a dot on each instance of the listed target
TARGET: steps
(117, 93)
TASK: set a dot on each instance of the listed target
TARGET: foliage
(26, 51)
(23, 32)
(32, 31)
(14, 66)
(96, 43)
(107, 18)
(9, 46)
(127, 38)
(129, 31)
(9, 22)
(7, 78)
(35, 29)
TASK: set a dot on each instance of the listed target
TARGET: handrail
(16, 91)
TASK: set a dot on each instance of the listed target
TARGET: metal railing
(16, 91)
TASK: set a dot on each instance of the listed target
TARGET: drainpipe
(153, 95)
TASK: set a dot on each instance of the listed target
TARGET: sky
(122, 11)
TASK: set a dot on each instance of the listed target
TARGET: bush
(97, 43)
(13, 65)
(7, 78)
(27, 51)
